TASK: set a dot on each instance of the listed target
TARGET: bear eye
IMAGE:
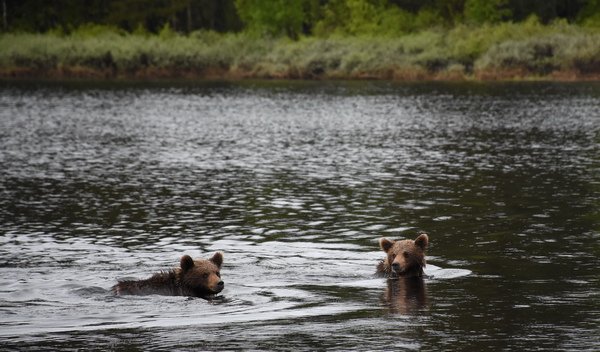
(405, 254)
(205, 275)
(218, 274)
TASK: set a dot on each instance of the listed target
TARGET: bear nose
(395, 266)
(221, 284)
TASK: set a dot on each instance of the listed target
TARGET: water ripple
(296, 182)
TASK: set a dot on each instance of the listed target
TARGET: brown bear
(404, 258)
(196, 278)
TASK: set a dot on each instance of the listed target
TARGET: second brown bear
(405, 258)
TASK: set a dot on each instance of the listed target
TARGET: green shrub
(544, 54)
(529, 46)
(87, 31)
(486, 11)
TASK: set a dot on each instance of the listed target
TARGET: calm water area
(295, 182)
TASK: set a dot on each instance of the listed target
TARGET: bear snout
(396, 267)
(219, 286)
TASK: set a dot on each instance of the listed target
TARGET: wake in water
(66, 288)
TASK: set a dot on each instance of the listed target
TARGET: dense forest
(307, 39)
(289, 17)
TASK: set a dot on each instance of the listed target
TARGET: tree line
(293, 18)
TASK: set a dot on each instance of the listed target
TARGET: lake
(296, 182)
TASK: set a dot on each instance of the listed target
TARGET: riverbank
(507, 51)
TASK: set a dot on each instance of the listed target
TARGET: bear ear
(217, 259)
(186, 263)
(385, 244)
(422, 241)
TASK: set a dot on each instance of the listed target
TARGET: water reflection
(405, 295)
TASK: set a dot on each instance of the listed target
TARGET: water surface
(296, 182)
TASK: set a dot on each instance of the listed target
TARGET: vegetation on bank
(490, 51)
(308, 39)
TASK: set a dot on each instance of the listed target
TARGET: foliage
(463, 51)
(428, 18)
(303, 38)
(90, 30)
(467, 43)
(130, 15)
(364, 18)
(486, 11)
(292, 18)
(276, 17)
(590, 14)
(544, 54)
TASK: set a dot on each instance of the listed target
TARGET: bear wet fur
(405, 258)
(195, 278)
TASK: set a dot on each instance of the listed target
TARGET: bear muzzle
(216, 288)
(209, 291)
(398, 270)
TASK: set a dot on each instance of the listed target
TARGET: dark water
(296, 182)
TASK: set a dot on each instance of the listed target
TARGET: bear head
(404, 258)
(201, 277)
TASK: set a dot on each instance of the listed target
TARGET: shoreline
(526, 51)
(216, 74)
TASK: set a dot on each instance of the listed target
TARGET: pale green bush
(528, 46)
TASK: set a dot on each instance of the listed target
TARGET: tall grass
(127, 54)
(528, 48)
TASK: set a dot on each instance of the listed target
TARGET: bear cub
(195, 278)
(405, 258)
